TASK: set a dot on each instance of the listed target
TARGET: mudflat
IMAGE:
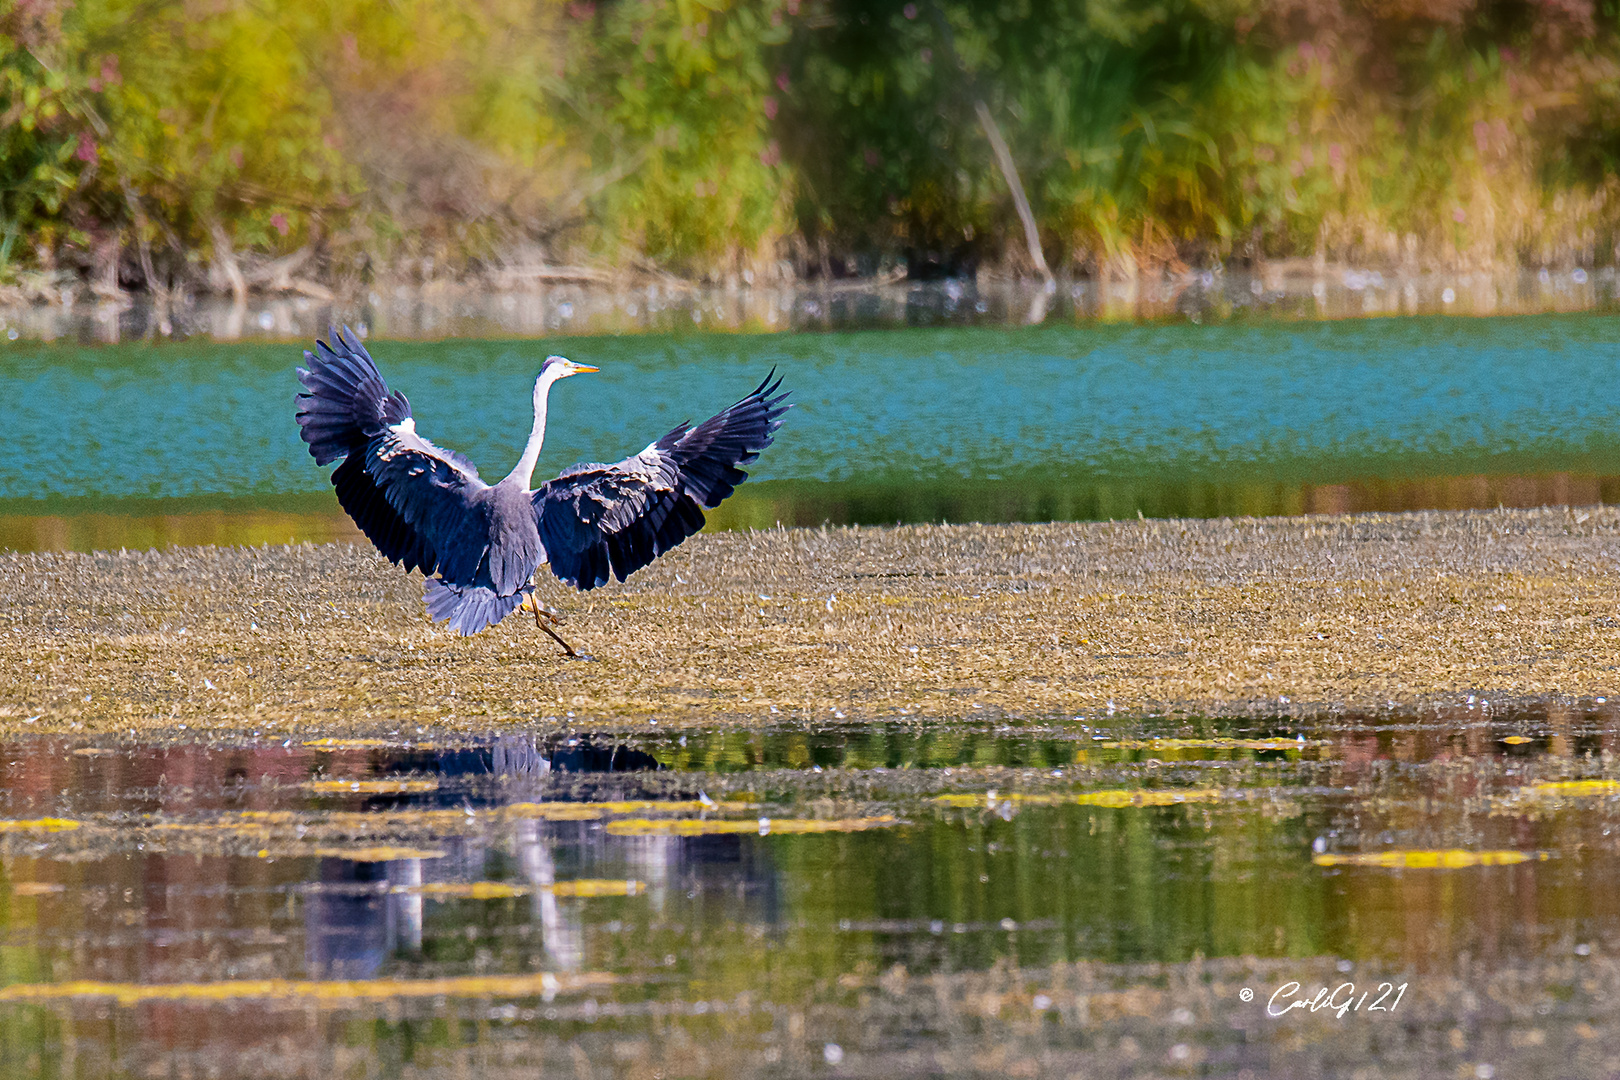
(1233, 616)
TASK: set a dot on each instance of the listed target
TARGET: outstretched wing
(412, 499)
(601, 519)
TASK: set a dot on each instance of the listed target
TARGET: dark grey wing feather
(412, 499)
(602, 520)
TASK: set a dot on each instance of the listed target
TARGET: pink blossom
(236, 156)
(1459, 215)
(909, 11)
(582, 10)
(1336, 155)
(278, 222)
(1307, 51)
(771, 155)
(86, 151)
(782, 81)
(1482, 136)
(109, 71)
(770, 108)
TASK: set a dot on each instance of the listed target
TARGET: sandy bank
(1222, 616)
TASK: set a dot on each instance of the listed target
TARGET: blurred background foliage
(316, 144)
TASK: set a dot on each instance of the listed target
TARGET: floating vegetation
(1452, 859)
(335, 993)
(36, 888)
(592, 887)
(1571, 789)
(370, 787)
(763, 826)
(1299, 743)
(381, 853)
(1518, 740)
(501, 890)
(350, 744)
(589, 811)
(469, 890)
(1110, 799)
(39, 825)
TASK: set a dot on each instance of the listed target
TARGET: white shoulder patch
(406, 426)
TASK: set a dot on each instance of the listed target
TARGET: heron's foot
(568, 650)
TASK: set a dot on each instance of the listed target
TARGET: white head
(560, 367)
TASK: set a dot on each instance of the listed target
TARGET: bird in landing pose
(425, 508)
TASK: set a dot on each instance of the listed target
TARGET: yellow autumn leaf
(470, 890)
(761, 826)
(1425, 859)
(1572, 788)
(49, 824)
(336, 992)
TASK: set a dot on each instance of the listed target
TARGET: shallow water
(125, 445)
(897, 899)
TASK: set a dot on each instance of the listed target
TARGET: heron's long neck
(523, 472)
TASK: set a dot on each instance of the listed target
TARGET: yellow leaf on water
(334, 993)
(1112, 799)
(590, 811)
(586, 887)
(370, 787)
(1159, 797)
(348, 744)
(1450, 859)
(761, 826)
(472, 890)
(381, 853)
(48, 824)
(1517, 740)
(1573, 788)
(35, 888)
(1208, 744)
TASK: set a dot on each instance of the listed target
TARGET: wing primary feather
(600, 519)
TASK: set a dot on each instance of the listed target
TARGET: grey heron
(425, 508)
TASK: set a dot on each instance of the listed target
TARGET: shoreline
(525, 308)
(1222, 618)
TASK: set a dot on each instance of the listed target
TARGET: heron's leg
(567, 648)
(540, 611)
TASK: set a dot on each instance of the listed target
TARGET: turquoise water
(921, 424)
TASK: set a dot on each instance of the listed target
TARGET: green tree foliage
(1189, 129)
(712, 137)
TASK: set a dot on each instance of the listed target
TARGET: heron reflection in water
(424, 507)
